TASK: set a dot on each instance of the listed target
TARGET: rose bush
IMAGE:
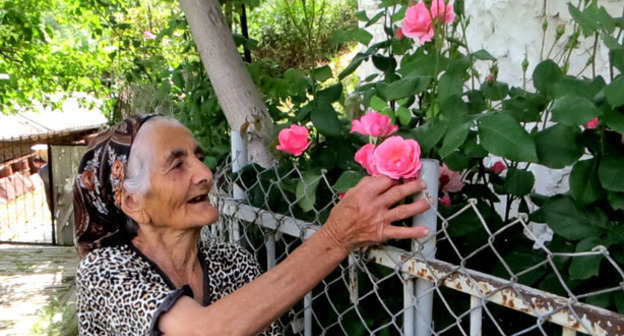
(428, 84)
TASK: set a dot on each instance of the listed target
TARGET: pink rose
(442, 12)
(445, 200)
(400, 34)
(450, 181)
(417, 23)
(364, 156)
(149, 35)
(592, 124)
(374, 124)
(398, 158)
(498, 167)
(293, 140)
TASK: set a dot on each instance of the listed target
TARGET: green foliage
(437, 96)
(300, 34)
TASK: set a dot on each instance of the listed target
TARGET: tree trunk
(240, 100)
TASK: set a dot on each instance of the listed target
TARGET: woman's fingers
(377, 185)
(407, 210)
(402, 232)
(399, 192)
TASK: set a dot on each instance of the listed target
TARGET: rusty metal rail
(569, 313)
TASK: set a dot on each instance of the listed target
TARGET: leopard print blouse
(122, 292)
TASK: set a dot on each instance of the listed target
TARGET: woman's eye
(178, 165)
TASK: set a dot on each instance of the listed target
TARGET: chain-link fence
(442, 285)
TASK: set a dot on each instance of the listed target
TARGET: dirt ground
(36, 287)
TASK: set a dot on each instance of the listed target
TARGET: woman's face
(179, 180)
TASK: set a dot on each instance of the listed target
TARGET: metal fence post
(239, 160)
(476, 316)
(427, 245)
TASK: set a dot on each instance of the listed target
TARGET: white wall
(508, 29)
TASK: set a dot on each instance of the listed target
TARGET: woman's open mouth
(199, 199)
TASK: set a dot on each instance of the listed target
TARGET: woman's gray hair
(137, 173)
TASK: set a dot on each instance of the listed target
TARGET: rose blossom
(149, 35)
(442, 11)
(398, 158)
(592, 124)
(364, 156)
(400, 34)
(417, 23)
(445, 200)
(374, 124)
(293, 140)
(450, 181)
(498, 167)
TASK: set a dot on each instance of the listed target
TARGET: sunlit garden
(510, 112)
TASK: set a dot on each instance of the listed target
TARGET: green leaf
(569, 220)
(347, 180)
(404, 87)
(573, 86)
(355, 63)
(361, 15)
(614, 92)
(306, 190)
(453, 109)
(325, 119)
(322, 74)
(584, 184)
(616, 57)
(585, 267)
(525, 108)
(384, 63)
(404, 115)
(574, 110)
(356, 34)
(495, 91)
(330, 94)
(611, 172)
(430, 134)
(558, 146)
(455, 136)
(518, 182)
(374, 19)
(457, 161)
(592, 19)
(483, 55)
(377, 104)
(502, 135)
(616, 200)
(450, 84)
(614, 119)
(546, 75)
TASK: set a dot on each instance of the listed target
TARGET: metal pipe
(353, 280)
(270, 250)
(426, 245)
(307, 315)
(409, 324)
(476, 315)
(239, 160)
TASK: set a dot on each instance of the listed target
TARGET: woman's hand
(364, 215)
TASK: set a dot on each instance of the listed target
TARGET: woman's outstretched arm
(362, 217)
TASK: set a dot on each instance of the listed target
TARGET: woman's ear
(132, 206)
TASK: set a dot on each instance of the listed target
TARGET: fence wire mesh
(472, 287)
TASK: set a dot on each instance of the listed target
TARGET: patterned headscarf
(97, 188)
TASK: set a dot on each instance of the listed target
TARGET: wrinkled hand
(364, 215)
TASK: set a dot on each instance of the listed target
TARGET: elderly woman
(141, 202)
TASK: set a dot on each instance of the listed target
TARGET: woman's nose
(201, 173)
